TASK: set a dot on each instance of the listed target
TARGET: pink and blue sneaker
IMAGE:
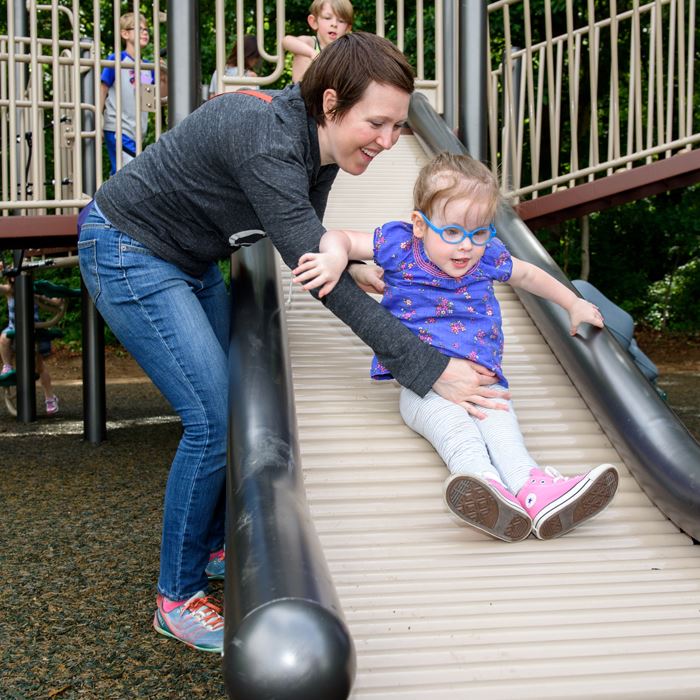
(197, 622)
(487, 505)
(216, 568)
(557, 504)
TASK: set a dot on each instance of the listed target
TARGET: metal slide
(438, 611)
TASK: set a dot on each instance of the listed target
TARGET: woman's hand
(467, 384)
(368, 278)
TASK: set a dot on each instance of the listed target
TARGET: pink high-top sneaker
(488, 506)
(558, 504)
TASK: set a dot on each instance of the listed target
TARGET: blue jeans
(176, 326)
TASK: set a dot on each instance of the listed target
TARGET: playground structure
(291, 599)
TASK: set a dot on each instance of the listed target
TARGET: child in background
(439, 271)
(129, 32)
(43, 350)
(329, 19)
(251, 57)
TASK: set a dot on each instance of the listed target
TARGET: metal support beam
(184, 66)
(473, 74)
(25, 348)
(450, 88)
(94, 394)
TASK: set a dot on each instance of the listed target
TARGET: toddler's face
(457, 259)
(328, 26)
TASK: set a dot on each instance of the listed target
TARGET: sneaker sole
(474, 503)
(158, 627)
(589, 498)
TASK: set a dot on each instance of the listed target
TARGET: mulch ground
(79, 560)
(80, 535)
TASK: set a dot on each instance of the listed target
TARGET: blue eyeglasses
(454, 234)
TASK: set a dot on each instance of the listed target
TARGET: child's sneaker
(558, 504)
(51, 405)
(197, 622)
(8, 376)
(216, 568)
(488, 506)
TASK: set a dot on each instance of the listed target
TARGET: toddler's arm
(535, 280)
(323, 269)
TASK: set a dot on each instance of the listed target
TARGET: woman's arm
(535, 280)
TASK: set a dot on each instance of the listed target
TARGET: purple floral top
(459, 316)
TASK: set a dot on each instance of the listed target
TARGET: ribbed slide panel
(438, 611)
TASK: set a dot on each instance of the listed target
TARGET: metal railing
(50, 116)
(603, 94)
(52, 57)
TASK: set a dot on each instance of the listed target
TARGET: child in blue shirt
(131, 30)
(439, 271)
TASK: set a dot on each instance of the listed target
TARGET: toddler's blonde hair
(449, 176)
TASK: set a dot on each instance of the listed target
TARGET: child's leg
(506, 446)
(449, 429)
(50, 399)
(44, 376)
(5, 352)
(474, 492)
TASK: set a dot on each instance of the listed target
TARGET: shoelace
(207, 610)
(556, 475)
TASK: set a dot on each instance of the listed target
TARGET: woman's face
(371, 126)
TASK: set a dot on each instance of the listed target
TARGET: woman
(239, 165)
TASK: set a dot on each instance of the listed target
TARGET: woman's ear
(419, 226)
(330, 100)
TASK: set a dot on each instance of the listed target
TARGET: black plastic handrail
(654, 444)
(284, 632)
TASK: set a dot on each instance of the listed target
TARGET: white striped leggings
(469, 445)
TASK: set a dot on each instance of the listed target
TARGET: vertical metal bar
(185, 72)
(449, 83)
(88, 123)
(473, 74)
(93, 355)
(94, 401)
(24, 348)
(691, 68)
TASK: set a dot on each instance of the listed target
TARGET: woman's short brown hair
(348, 65)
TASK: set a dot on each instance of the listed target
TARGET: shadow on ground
(79, 559)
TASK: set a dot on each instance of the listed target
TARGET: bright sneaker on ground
(51, 405)
(557, 504)
(216, 568)
(197, 622)
(487, 505)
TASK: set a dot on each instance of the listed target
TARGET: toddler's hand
(583, 311)
(319, 270)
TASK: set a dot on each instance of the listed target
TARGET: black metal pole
(24, 348)
(284, 633)
(94, 392)
(94, 379)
